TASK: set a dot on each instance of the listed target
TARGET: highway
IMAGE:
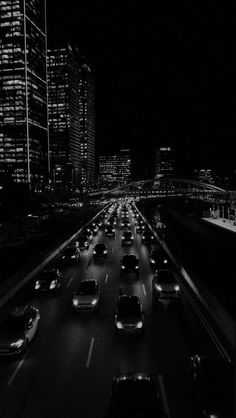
(68, 369)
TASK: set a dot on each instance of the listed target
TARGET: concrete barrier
(23, 281)
(224, 321)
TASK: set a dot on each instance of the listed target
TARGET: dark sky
(163, 76)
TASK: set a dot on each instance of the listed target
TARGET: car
(110, 231)
(18, 330)
(100, 250)
(165, 285)
(71, 254)
(83, 242)
(159, 259)
(94, 228)
(147, 237)
(125, 224)
(49, 280)
(87, 296)
(130, 264)
(129, 315)
(135, 395)
(212, 382)
(140, 228)
(127, 238)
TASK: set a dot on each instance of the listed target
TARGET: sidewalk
(223, 223)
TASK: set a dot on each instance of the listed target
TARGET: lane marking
(19, 365)
(144, 290)
(163, 393)
(68, 284)
(90, 352)
(112, 250)
(107, 275)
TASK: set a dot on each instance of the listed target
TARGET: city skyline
(164, 76)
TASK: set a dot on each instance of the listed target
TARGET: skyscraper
(71, 115)
(24, 140)
(115, 168)
(165, 162)
(87, 122)
(64, 111)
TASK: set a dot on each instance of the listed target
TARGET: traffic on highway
(107, 331)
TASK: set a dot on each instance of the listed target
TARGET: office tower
(64, 108)
(204, 175)
(115, 168)
(23, 100)
(165, 162)
(87, 123)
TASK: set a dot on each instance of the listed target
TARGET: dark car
(140, 228)
(18, 330)
(125, 223)
(110, 231)
(48, 280)
(83, 242)
(148, 237)
(71, 254)
(100, 250)
(135, 395)
(130, 264)
(87, 296)
(159, 259)
(212, 380)
(129, 315)
(127, 238)
(165, 285)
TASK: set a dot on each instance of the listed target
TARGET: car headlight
(37, 285)
(94, 252)
(63, 257)
(18, 343)
(158, 287)
(152, 261)
(123, 267)
(94, 302)
(73, 256)
(139, 324)
(119, 325)
(136, 267)
(53, 284)
(105, 251)
(165, 261)
(177, 288)
(75, 302)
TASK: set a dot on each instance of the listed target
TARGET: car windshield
(100, 247)
(69, 251)
(82, 239)
(48, 275)
(158, 254)
(86, 288)
(129, 306)
(165, 276)
(127, 234)
(130, 259)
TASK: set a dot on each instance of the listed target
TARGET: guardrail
(23, 281)
(201, 295)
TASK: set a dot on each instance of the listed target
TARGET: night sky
(163, 76)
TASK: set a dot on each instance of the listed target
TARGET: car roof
(102, 244)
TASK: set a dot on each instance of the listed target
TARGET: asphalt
(68, 369)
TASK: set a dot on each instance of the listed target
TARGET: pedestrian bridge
(169, 187)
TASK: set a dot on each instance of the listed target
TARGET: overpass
(169, 187)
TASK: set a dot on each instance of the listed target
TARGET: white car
(87, 296)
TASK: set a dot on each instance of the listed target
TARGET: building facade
(115, 168)
(24, 140)
(64, 124)
(87, 123)
(165, 162)
(71, 116)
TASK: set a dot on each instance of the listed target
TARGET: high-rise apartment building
(165, 162)
(87, 122)
(115, 168)
(63, 104)
(24, 140)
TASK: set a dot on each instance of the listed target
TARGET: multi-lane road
(68, 369)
